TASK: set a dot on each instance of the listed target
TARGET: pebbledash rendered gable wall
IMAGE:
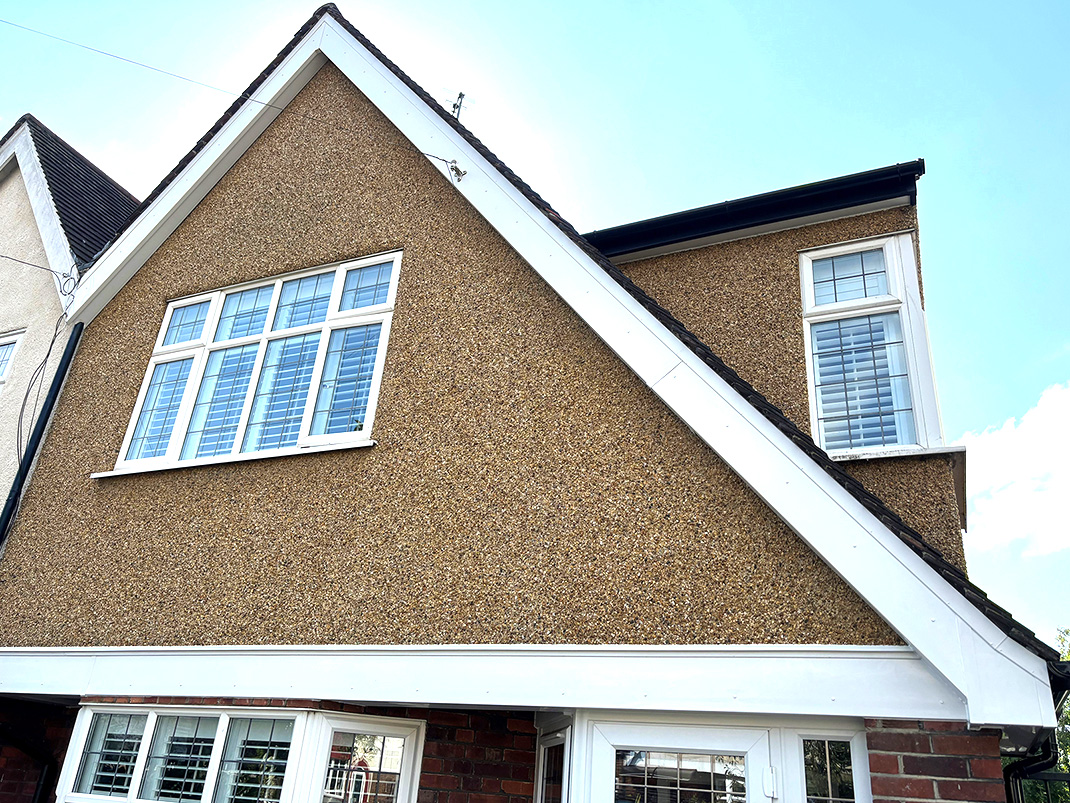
(742, 298)
(526, 486)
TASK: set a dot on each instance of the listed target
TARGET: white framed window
(239, 755)
(653, 763)
(869, 370)
(552, 766)
(834, 764)
(266, 368)
(9, 341)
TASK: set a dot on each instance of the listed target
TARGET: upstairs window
(267, 368)
(7, 352)
(869, 373)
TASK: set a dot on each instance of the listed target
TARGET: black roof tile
(92, 208)
(888, 518)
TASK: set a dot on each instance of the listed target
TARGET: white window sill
(149, 467)
(894, 451)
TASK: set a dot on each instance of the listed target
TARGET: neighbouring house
(374, 481)
(57, 210)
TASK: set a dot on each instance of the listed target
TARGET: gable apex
(927, 601)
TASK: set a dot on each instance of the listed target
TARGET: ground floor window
(240, 756)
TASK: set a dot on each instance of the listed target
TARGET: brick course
(933, 760)
(469, 756)
(44, 731)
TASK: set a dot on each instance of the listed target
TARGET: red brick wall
(912, 760)
(469, 756)
(30, 732)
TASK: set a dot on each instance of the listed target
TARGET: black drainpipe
(1017, 771)
(7, 518)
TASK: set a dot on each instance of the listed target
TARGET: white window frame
(606, 737)
(200, 349)
(306, 765)
(553, 738)
(795, 770)
(904, 299)
(6, 339)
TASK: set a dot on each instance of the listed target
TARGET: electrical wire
(452, 170)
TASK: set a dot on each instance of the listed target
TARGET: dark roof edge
(818, 198)
(34, 122)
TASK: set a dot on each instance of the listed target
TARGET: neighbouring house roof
(857, 193)
(914, 540)
(91, 207)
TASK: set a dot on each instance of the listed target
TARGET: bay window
(267, 368)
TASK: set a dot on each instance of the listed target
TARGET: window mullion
(273, 307)
(142, 756)
(185, 409)
(208, 792)
(314, 384)
(250, 394)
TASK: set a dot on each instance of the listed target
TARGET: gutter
(7, 518)
(1048, 756)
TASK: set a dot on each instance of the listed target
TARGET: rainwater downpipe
(7, 518)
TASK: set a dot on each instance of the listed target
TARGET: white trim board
(890, 682)
(20, 152)
(1002, 682)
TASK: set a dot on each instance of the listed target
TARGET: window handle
(769, 782)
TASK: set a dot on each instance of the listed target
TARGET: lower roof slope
(913, 539)
(91, 206)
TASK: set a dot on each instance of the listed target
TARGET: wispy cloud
(1018, 479)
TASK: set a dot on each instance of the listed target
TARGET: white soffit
(19, 152)
(1002, 682)
(889, 682)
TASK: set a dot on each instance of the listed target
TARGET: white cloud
(1018, 479)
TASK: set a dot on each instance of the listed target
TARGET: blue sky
(616, 111)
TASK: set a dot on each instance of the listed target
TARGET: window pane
(658, 777)
(304, 301)
(553, 773)
(363, 768)
(178, 758)
(159, 410)
(850, 276)
(186, 323)
(6, 351)
(860, 373)
(214, 423)
(342, 404)
(244, 313)
(254, 760)
(281, 393)
(110, 753)
(828, 771)
(366, 286)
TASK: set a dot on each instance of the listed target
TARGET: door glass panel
(553, 773)
(661, 777)
(363, 768)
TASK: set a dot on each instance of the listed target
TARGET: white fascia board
(20, 151)
(889, 682)
(926, 612)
